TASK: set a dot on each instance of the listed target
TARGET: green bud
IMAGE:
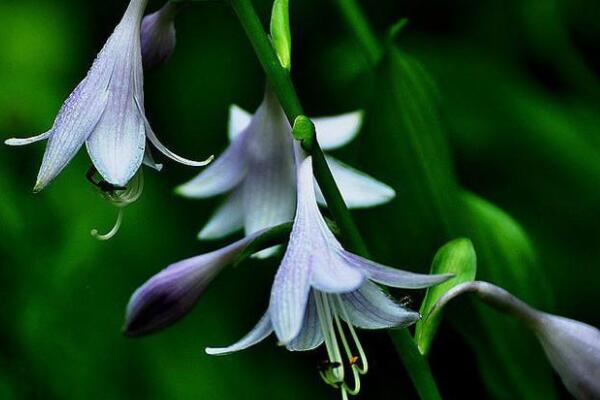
(304, 131)
(280, 32)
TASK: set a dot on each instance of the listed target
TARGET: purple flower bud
(158, 35)
(172, 293)
(573, 349)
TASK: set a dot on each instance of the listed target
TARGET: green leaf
(457, 257)
(280, 32)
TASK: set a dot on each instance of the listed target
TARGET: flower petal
(239, 119)
(259, 333)
(171, 294)
(221, 176)
(117, 144)
(168, 153)
(358, 189)
(370, 308)
(319, 248)
(289, 295)
(75, 122)
(310, 336)
(337, 131)
(228, 218)
(26, 141)
(393, 277)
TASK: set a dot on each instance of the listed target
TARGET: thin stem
(416, 365)
(283, 87)
(281, 83)
(356, 20)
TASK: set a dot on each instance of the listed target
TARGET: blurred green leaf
(403, 128)
(456, 257)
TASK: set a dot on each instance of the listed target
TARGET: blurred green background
(520, 100)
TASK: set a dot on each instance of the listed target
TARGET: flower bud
(573, 349)
(158, 35)
(172, 293)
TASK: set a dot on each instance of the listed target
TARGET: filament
(110, 234)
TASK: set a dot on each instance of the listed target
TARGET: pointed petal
(239, 119)
(311, 258)
(310, 336)
(172, 293)
(228, 218)
(269, 196)
(259, 333)
(269, 187)
(394, 277)
(370, 308)
(74, 123)
(289, 295)
(335, 132)
(117, 144)
(330, 272)
(26, 141)
(358, 189)
(168, 153)
(221, 176)
(149, 160)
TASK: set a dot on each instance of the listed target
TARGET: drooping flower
(322, 291)
(258, 174)
(572, 347)
(106, 112)
(158, 35)
(171, 293)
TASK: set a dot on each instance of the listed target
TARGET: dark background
(520, 98)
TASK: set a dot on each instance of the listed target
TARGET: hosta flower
(322, 291)
(257, 171)
(106, 112)
(572, 347)
(158, 35)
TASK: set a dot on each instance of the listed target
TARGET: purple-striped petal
(393, 277)
(225, 173)
(259, 333)
(370, 308)
(228, 218)
(311, 336)
(172, 293)
(116, 144)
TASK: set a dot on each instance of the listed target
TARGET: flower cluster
(321, 292)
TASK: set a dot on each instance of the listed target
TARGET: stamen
(332, 376)
(112, 232)
(362, 357)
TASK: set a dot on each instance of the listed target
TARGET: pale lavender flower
(158, 35)
(321, 291)
(572, 347)
(257, 171)
(106, 112)
(171, 293)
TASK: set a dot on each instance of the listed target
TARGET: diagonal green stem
(281, 83)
